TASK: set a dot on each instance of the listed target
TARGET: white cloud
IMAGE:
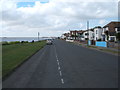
(102, 22)
(52, 18)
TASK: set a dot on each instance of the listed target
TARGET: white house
(104, 36)
(88, 34)
(97, 33)
(91, 35)
(63, 36)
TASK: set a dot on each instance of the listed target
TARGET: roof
(115, 24)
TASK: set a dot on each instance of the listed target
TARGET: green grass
(13, 55)
(91, 46)
(111, 51)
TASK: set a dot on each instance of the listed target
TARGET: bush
(24, 41)
(33, 41)
(5, 43)
(15, 42)
(112, 41)
(99, 40)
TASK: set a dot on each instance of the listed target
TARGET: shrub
(99, 40)
(15, 42)
(24, 41)
(33, 41)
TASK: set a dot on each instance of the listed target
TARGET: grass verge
(13, 55)
(111, 51)
(91, 46)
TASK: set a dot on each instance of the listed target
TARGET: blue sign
(101, 43)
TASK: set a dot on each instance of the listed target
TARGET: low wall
(101, 43)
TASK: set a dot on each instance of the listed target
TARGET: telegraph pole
(88, 31)
(38, 36)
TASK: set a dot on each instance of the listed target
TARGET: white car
(49, 42)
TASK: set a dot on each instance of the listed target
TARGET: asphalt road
(65, 65)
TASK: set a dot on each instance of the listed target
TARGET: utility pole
(88, 31)
(38, 36)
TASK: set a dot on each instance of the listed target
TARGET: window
(96, 31)
(86, 34)
(106, 28)
(116, 29)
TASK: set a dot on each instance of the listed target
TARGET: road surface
(65, 65)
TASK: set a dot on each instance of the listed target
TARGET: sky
(25, 18)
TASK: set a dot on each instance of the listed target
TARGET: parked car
(49, 42)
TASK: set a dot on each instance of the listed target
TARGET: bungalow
(110, 30)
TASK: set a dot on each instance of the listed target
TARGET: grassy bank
(14, 54)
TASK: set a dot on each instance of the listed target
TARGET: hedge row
(15, 42)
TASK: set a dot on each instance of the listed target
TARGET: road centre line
(62, 81)
(60, 72)
(59, 68)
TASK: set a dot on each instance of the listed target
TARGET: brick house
(76, 35)
(110, 30)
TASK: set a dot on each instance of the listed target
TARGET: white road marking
(58, 68)
(60, 73)
(58, 63)
(62, 81)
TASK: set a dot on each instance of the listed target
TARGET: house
(80, 35)
(74, 34)
(65, 36)
(77, 35)
(88, 34)
(110, 30)
(98, 33)
(91, 34)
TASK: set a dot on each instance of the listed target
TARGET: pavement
(66, 65)
(109, 50)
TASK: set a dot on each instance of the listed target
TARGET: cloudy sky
(24, 18)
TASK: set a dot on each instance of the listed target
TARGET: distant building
(74, 34)
(65, 36)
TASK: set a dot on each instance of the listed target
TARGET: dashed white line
(60, 73)
(58, 68)
(62, 81)
(58, 63)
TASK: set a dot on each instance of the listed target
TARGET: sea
(29, 39)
